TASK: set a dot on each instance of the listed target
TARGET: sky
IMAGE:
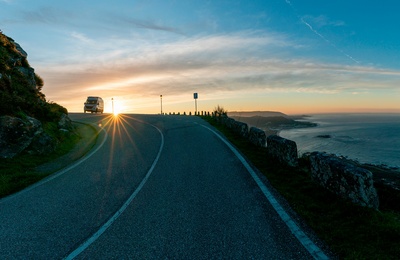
(292, 56)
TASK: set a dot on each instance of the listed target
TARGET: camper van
(94, 105)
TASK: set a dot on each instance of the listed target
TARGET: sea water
(367, 138)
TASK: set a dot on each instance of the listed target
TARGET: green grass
(352, 232)
(19, 172)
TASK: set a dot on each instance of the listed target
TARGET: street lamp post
(161, 103)
(112, 102)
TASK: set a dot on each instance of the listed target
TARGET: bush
(219, 111)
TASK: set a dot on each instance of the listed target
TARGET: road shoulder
(88, 137)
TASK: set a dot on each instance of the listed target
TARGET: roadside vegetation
(19, 172)
(351, 232)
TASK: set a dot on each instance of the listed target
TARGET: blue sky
(280, 55)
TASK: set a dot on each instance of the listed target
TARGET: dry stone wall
(257, 137)
(284, 150)
(333, 173)
(344, 179)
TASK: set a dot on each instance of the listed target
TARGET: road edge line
(309, 245)
(62, 171)
(111, 220)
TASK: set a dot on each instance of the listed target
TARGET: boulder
(257, 136)
(65, 123)
(229, 122)
(284, 150)
(17, 134)
(42, 144)
(241, 128)
(345, 179)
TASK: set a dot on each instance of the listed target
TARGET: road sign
(195, 95)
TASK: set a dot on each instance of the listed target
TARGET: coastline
(383, 174)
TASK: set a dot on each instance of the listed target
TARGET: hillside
(20, 86)
(27, 121)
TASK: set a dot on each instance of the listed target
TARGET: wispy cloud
(214, 63)
(81, 37)
(143, 24)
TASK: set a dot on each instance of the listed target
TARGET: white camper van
(94, 105)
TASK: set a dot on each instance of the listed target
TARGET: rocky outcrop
(42, 144)
(284, 150)
(257, 137)
(18, 135)
(344, 179)
(65, 123)
(21, 99)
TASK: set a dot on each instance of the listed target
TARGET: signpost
(195, 96)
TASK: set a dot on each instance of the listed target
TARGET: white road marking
(103, 228)
(311, 247)
(61, 172)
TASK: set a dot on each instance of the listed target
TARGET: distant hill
(272, 124)
(256, 113)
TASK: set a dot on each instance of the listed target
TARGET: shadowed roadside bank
(24, 170)
(88, 137)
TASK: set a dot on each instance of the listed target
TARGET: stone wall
(344, 179)
(257, 137)
(334, 174)
(284, 150)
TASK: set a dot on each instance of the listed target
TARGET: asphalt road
(153, 187)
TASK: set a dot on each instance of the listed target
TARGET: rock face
(65, 123)
(257, 137)
(284, 150)
(344, 179)
(17, 135)
(21, 99)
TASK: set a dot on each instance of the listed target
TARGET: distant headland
(271, 122)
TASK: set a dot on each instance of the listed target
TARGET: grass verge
(21, 171)
(352, 232)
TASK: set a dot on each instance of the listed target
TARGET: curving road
(153, 187)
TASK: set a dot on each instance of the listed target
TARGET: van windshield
(91, 101)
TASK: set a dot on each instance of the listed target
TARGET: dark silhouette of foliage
(17, 95)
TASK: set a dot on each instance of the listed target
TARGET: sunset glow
(287, 56)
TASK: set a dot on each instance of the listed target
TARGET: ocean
(367, 138)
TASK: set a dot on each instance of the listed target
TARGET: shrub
(219, 111)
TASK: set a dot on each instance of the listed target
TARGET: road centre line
(106, 225)
(310, 246)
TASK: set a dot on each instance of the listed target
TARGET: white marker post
(195, 96)
(112, 102)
